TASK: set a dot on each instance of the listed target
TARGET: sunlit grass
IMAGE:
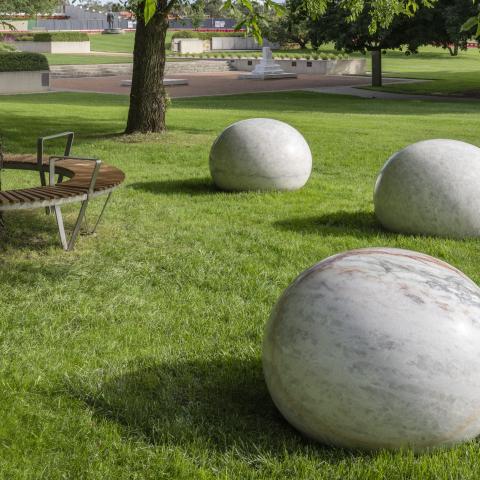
(137, 356)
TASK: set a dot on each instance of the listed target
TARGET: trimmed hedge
(61, 37)
(45, 37)
(205, 35)
(7, 47)
(22, 62)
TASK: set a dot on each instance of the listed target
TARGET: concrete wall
(319, 67)
(54, 47)
(239, 43)
(185, 45)
(190, 45)
(171, 68)
(24, 82)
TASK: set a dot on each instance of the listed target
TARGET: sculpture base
(113, 31)
(166, 81)
(266, 76)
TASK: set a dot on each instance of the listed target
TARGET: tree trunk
(148, 99)
(454, 51)
(302, 43)
(376, 68)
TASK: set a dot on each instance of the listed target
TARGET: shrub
(22, 62)
(13, 36)
(7, 47)
(60, 37)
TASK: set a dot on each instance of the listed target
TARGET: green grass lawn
(458, 75)
(137, 356)
(86, 59)
(119, 43)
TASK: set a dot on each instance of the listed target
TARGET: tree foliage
(441, 25)
(292, 27)
(29, 7)
(381, 12)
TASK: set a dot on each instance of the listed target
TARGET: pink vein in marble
(377, 348)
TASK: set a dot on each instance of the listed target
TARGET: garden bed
(22, 72)
(56, 42)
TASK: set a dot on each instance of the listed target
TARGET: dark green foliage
(292, 27)
(45, 37)
(60, 37)
(439, 25)
(22, 62)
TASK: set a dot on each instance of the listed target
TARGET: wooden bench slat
(78, 171)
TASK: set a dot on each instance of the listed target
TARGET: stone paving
(212, 83)
(228, 83)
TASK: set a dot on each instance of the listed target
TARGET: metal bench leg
(2, 221)
(101, 214)
(69, 244)
(61, 227)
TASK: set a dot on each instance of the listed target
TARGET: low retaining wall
(105, 70)
(54, 47)
(318, 67)
(24, 82)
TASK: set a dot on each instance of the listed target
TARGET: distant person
(110, 19)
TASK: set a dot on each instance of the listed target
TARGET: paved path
(228, 83)
(354, 91)
(214, 83)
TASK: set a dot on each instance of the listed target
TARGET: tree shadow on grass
(189, 186)
(33, 230)
(358, 223)
(218, 404)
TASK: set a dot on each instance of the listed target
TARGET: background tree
(440, 25)
(196, 13)
(148, 99)
(336, 26)
(294, 26)
(30, 7)
(213, 8)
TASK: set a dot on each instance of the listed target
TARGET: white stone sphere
(377, 348)
(431, 188)
(260, 154)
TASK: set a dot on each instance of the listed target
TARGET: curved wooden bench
(87, 178)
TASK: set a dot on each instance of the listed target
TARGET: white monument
(267, 68)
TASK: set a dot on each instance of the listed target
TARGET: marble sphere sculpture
(260, 154)
(431, 188)
(377, 348)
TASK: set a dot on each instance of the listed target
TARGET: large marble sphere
(377, 348)
(260, 154)
(431, 188)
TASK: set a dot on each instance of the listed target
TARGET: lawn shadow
(33, 230)
(218, 404)
(189, 186)
(358, 223)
